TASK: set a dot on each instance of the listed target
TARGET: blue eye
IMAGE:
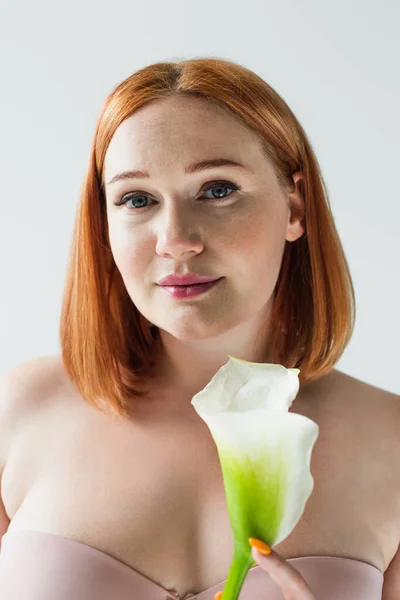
(140, 197)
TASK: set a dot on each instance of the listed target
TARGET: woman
(111, 482)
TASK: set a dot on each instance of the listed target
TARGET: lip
(190, 279)
(186, 292)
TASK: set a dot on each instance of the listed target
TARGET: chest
(151, 493)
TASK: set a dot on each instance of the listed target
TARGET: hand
(292, 584)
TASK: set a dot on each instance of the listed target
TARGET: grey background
(335, 63)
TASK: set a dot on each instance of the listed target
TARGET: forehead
(182, 129)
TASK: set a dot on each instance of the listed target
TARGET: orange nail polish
(261, 546)
(218, 596)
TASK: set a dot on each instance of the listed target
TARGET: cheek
(257, 237)
(256, 246)
(131, 255)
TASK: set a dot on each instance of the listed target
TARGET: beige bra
(35, 565)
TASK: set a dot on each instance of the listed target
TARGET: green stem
(241, 563)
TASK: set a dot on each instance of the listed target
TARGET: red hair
(108, 347)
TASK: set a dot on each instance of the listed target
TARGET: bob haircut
(108, 347)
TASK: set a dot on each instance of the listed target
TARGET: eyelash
(233, 186)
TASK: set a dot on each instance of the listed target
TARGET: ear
(295, 228)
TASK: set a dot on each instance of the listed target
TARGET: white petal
(241, 386)
(277, 448)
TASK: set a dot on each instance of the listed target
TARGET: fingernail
(261, 546)
(218, 596)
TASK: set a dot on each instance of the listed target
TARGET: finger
(291, 582)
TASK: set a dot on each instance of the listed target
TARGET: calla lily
(264, 452)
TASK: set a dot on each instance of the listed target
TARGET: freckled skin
(182, 228)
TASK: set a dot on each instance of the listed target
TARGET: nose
(178, 233)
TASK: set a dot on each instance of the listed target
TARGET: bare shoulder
(374, 418)
(34, 375)
(377, 418)
(360, 439)
(23, 389)
(362, 417)
(362, 394)
(375, 410)
(342, 391)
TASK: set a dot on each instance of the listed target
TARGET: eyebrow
(195, 167)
